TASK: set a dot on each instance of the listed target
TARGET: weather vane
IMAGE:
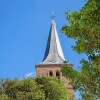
(52, 16)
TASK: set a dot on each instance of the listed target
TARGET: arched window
(50, 73)
(58, 74)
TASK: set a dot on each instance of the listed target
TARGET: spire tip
(52, 16)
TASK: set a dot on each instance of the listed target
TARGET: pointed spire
(53, 53)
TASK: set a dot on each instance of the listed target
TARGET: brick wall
(53, 70)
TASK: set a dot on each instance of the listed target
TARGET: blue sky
(24, 29)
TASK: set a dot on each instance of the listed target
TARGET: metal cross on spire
(52, 16)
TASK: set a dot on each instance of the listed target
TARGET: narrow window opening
(50, 74)
(58, 75)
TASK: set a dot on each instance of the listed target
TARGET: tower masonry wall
(55, 71)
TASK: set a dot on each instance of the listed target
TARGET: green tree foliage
(53, 88)
(1, 82)
(43, 88)
(84, 28)
(4, 97)
(25, 89)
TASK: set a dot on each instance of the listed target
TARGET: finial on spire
(52, 16)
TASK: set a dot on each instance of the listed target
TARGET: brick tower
(53, 58)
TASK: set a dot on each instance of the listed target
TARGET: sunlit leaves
(41, 88)
(84, 28)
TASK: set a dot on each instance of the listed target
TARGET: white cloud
(29, 74)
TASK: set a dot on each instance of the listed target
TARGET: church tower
(53, 58)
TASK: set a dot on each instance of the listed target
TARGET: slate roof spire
(53, 53)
